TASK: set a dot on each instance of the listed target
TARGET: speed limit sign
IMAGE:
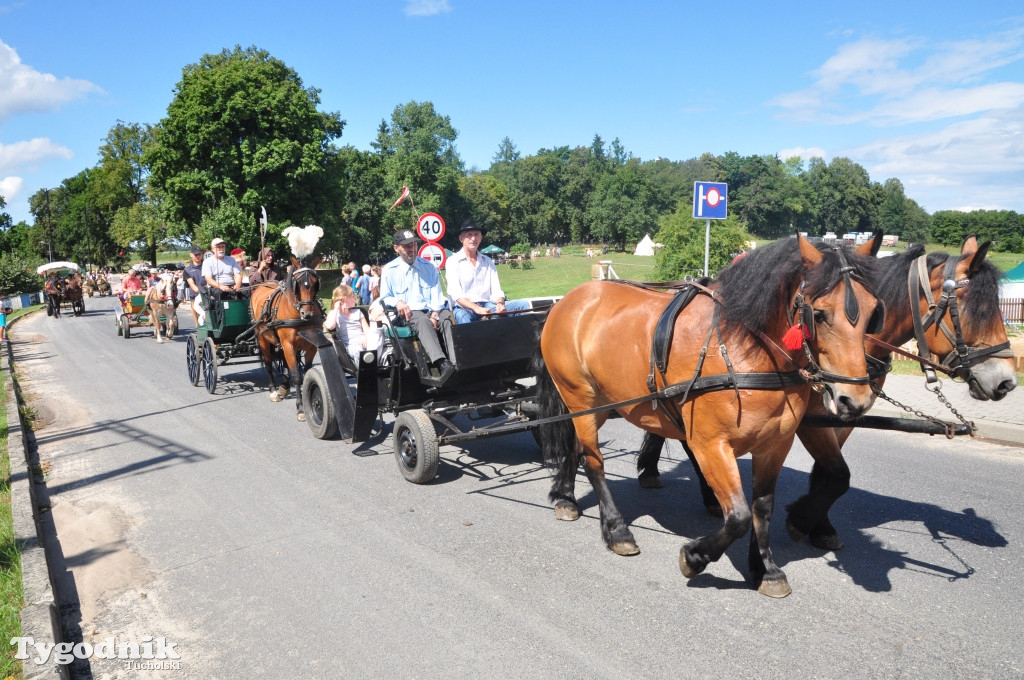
(430, 227)
(433, 253)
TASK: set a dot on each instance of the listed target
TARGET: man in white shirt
(221, 272)
(472, 278)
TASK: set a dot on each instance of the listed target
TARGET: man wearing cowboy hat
(412, 286)
(472, 278)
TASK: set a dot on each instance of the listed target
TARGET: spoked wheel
(209, 363)
(192, 359)
(415, 443)
(318, 405)
(126, 327)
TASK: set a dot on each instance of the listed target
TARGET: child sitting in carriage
(348, 322)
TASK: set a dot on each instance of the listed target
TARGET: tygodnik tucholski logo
(148, 654)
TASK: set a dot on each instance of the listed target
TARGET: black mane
(756, 287)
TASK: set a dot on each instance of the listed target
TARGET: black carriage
(492, 383)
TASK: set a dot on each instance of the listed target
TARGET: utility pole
(49, 225)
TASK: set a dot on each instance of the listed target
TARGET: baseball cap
(216, 242)
(403, 236)
(196, 250)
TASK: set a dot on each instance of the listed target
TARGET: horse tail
(558, 439)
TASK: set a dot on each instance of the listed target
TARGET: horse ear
(970, 244)
(316, 262)
(295, 263)
(977, 256)
(808, 252)
(870, 248)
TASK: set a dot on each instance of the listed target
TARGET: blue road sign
(709, 199)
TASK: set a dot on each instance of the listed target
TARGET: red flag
(405, 195)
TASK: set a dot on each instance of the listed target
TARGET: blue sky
(929, 92)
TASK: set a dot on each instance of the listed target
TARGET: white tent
(645, 247)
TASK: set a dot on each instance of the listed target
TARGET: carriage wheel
(415, 443)
(209, 363)
(318, 405)
(126, 327)
(117, 322)
(49, 307)
(192, 359)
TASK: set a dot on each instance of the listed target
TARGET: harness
(285, 290)
(959, 361)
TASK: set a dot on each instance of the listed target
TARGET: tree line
(243, 132)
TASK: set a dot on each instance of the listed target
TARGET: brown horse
(909, 284)
(54, 289)
(592, 360)
(281, 309)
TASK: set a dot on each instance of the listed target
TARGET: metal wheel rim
(316, 405)
(407, 450)
(193, 363)
(209, 368)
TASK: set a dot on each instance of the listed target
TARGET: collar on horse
(959, 361)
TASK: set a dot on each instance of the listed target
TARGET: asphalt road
(219, 523)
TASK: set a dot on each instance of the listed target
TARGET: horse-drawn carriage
(226, 332)
(62, 288)
(137, 309)
(492, 360)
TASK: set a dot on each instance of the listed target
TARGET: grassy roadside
(11, 593)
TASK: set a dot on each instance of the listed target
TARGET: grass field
(11, 593)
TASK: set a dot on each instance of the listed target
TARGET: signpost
(709, 203)
(435, 253)
(430, 227)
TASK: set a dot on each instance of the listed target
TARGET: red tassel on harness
(794, 337)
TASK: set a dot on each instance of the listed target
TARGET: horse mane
(758, 286)
(981, 299)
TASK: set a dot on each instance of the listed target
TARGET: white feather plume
(303, 240)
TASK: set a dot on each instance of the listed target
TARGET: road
(218, 523)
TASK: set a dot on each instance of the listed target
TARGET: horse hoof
(282, 391)
(828, 542)
(684, 566)
(794, 533)
(778, 587)
(566, 511)
(650, 481)
(275, 397)
(300, 416)
(625, 549)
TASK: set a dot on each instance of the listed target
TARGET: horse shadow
(678, 509)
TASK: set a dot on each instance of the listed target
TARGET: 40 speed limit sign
(430, 227)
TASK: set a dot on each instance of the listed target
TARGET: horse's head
(303, 283)
(961, 321)
(834, 309)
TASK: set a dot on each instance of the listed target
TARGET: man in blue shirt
(412, 286)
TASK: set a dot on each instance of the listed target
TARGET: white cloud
(30, 155)
(426, 8)
(26, 90)
(805, 153)
(887, 82)
(10, 187)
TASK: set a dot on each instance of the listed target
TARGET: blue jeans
(463, 315)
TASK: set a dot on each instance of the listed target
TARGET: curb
(40, 617)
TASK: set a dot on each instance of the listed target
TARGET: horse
(966, 316)
(588, 365)
(73, 294)
(54, 289)
(281, 309)
(160, 302)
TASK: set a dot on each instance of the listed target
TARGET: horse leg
(614, 529)
(154, 318)
(766, 575)
(830, 479)
(296, 380)
(267, 354)
(647, 461)
(718, 461)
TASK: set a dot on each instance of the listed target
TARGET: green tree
(17, 275)
(621, 206)
(948, 227)
(842, 196)
(418, 151)
(682, 252)
(242, 129)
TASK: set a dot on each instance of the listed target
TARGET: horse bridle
(803, 313)
(300, 277)
(959, 361)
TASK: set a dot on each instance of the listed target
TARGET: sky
(931, 93)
